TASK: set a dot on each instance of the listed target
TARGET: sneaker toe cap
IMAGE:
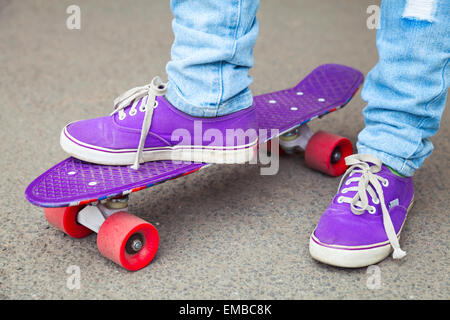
(91, 131)
(341, 228)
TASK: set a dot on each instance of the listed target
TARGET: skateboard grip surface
(325, 89)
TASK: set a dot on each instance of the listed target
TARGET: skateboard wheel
(326, 152)
(128, 240)
(65, 219)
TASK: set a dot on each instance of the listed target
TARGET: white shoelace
(151, 91)
(369, 183)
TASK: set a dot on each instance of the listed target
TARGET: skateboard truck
(297, 138)
(117, 203)
(92, 216)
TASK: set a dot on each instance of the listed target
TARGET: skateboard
(80, 197)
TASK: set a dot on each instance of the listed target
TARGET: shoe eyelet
(340, 199)
(155, 105)
(132, 112)
(122, 115)
(372, 210)
(345, 190)
(376, 201)
(143, 105)
(385, 183)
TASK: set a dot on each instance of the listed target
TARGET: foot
(363, 223)
(146, 127)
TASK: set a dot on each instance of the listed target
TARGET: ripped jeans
(407, 89)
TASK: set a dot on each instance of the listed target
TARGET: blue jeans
(406, 91)
(211, 56)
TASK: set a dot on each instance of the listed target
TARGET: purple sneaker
(363, 223)
(146, 127)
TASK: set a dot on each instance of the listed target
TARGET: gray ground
(226, 232)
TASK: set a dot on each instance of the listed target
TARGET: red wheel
(65, 219)
(269, 148)
(326, 152)
(127, 240)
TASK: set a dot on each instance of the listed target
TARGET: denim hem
(240, 102)
(398, 164)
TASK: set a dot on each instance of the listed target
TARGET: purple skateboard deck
(74, 182)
